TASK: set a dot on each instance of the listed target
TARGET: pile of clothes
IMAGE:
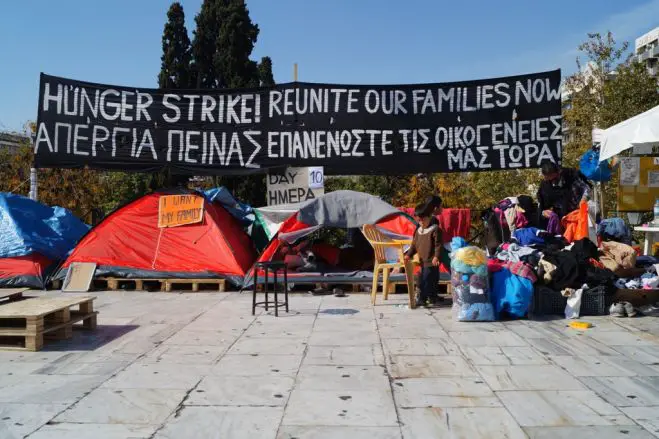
(470, 283)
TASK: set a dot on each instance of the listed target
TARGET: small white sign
(630, 171)
(294, 185)
(653, 178)
(316, 178)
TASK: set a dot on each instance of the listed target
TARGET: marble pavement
(199, 366)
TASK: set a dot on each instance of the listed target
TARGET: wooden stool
(275, 268)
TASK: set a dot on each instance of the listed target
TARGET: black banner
(493, 124)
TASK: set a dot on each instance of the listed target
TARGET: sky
(338, 41)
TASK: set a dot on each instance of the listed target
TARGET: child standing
(427, 243)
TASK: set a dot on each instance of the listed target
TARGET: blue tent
(27, 226)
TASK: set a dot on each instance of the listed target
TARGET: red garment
(494, 265)
(454, 222)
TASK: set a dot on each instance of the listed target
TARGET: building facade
(12, 141)
(646, 49)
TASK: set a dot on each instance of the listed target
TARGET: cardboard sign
(295, 185)
(178, 210)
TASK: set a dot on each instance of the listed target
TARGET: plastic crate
(594, 302)
(547, 302)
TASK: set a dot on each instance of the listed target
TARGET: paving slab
(158, 376)
(257, 365)
(424, 366)
(443, 392)
(485, 338)
(412, 346)
(370, 355)
(253, 391)
(459, 423)
(503, 356)
(561, 408)
(223, 422)
(269, 346)
(543, 377)
(603, 366)
(647, 417)
(19, 420)
(336, 432)
(52, 389)
(571, 346)
(592, 432)
(369, 408)
(625, 391)
(342, 378)
(94, 431)
(343, 338)
(124, 406)
(177, 354)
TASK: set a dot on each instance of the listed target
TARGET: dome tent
(340, 209)
(129, 244)
(35, 238)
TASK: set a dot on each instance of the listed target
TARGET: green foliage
(234, 45)
(265, 72)
(208, 22)
(610, 89)
(176, 51)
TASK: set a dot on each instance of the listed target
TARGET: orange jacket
(575, 223)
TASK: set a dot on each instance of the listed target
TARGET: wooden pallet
(113, 283)
(24, 325)
(8, 295)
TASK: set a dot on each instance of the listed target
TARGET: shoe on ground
(617, 310)
(629, 309)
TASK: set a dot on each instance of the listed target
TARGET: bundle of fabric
(516, 212)
(512, 287)
(618, 257)
(575, 267)
(469, 278)
(614, 229)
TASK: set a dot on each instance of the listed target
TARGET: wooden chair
(380, 243)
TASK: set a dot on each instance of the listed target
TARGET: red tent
(24, 271)
(344, 210)
(128, 243)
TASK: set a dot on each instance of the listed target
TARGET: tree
(234, 45)
(265, 72)
(176, 51)
(208, 22)
(79, 190)
(609, 88)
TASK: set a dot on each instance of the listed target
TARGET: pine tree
(234, 45)
(208, 21)
(176, 54)
(265, 72)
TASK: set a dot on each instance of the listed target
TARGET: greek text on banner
(491, 124)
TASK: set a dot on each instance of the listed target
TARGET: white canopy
(639, 130)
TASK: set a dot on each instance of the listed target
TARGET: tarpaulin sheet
(27, 226)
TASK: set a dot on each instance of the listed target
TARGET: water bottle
(655, 211)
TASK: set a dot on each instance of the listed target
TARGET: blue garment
(614, 229)
(476, 312)
(461, 267)
(528, 236)
(457, 243)
(592, 168)
(27, 226)
(510, 293)
(241, 211)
